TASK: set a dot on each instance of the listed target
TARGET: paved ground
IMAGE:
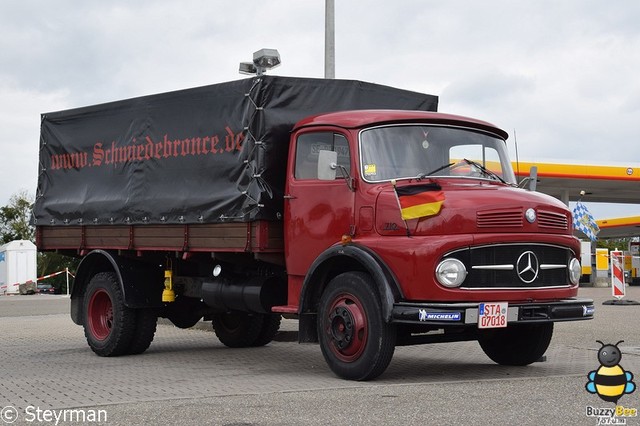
(189, 377)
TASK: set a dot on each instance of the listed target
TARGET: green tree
(15, 225)
(51, 262)
(14, 219)
(615, 243)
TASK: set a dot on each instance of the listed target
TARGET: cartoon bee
(610, 381)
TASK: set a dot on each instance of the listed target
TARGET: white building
(17, 265)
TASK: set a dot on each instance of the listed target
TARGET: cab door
(317, 213)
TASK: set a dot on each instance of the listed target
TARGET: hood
(476, 207)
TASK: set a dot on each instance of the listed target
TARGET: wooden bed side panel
(259, 236)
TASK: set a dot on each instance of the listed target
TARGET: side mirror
(327, 165)
(533, 178)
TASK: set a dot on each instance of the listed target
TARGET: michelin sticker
(423, 315)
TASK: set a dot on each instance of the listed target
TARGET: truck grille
(511, 218)
(552, 220)
(514, 218)
(515, 266)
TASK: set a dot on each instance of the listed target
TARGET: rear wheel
(237, 329)
(356, 342)
(109, 326)
(518, 344)
(270, 327)
(145, 330)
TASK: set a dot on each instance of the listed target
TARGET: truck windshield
(418, 151)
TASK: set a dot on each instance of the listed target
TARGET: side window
(310, 144)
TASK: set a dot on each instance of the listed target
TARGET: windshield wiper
(488, 173)
(424, 175)
(483, 170)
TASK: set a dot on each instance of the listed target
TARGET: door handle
(289, 197)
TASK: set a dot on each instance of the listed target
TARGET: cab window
(310, 144)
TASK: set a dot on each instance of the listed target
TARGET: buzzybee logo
(610, 381)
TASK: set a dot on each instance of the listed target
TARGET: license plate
(493, 315)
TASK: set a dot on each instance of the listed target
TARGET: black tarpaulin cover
(209, 154)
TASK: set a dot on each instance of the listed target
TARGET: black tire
(146, 322)
(356, 342)
(516, 345)
(270, 327)
(237, 329)
(109, 325)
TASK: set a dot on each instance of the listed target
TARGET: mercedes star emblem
(527, 267)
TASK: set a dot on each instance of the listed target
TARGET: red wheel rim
(347, 328)
(100, 314)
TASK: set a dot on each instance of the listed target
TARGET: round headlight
(575, 271)
(451, 272)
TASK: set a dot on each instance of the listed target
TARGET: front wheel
(518, 344)
(356, 342)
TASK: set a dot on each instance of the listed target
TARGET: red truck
(355, 208)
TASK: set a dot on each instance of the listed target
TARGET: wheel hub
(347, 328)
(341, 327)
(100, 315)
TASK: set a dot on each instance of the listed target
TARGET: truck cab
(494, 263)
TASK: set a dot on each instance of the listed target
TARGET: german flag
(418, 201)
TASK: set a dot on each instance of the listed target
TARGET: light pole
(329, 39)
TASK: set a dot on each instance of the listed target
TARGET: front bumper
(466, 314)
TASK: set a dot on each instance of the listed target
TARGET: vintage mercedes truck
(353, 207)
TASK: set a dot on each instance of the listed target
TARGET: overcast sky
(563, 74)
